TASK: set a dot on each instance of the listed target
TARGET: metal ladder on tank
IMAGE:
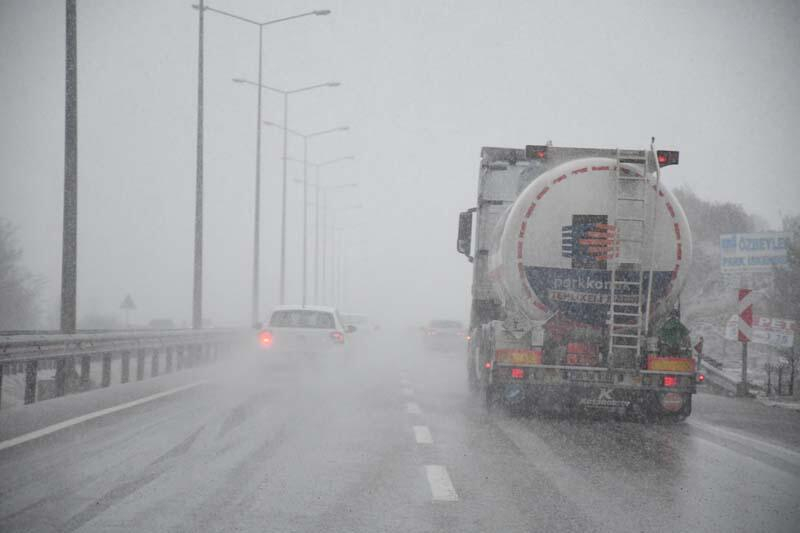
(625, 304)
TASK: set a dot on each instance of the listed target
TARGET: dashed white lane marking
(413, 408)
(83, 418)
(407, 391)
(423, 435)
(441, 487)
(405, 383)
(776, 451)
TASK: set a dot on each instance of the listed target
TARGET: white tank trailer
(564, 314)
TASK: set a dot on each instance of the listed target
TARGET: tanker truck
(579, 258)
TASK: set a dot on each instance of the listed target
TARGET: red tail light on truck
(667, 157)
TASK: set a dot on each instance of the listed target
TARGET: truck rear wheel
(654, 412)
(681, 415)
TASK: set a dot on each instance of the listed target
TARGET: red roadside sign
(745, 315)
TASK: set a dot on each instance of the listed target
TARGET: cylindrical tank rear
(554, 248)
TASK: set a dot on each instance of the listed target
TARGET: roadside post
(127, 306)
(699, 349)
(745, 334)
(794, 367)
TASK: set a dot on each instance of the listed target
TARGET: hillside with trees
(709, 299)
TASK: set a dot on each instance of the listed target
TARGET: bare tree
(785, 297)
(709, 220)
(19, 289)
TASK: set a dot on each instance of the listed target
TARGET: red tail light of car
(265, 339)
(337, 337)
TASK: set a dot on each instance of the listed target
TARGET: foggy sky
(424, 85)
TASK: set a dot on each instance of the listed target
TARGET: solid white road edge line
(441, 487)
(423, 435)
(413, 408)
(27, 437)
(776, 451)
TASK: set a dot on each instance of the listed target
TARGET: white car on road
(309, 329)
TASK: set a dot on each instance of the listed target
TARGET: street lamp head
(333, 84)
(343, 128)
(322, 12)
(268, 123)
(239, 80)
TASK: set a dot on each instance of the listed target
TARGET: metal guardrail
(29, 353)
(715, 376)
(713, 368)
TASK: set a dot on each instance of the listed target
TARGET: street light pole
(254, 311)
(317, 207)
(324, 239)
(197, 289)
(69, 250)
(341, 265)
(316, 236)
(337, 295)
(305, 217)
(283, 196)
(305, 162)
(343, 275)
(334, 258)
(335, 249)
(286, 131)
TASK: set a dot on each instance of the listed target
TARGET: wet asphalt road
(387, 439)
